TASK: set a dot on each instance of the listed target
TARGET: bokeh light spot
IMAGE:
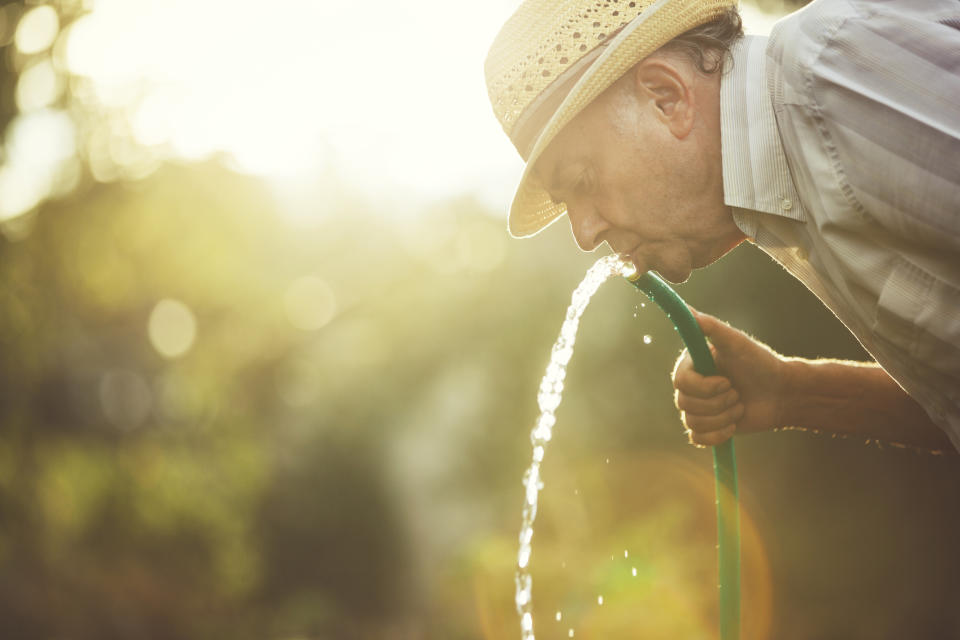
(38, 145)
(172, 328)
(125, 398)
(310, 303)
(20, 191)
(37, 30)
(38, 86)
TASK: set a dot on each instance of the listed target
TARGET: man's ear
(668, 89)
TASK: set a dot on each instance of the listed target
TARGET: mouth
(674, 276)
(633, 257)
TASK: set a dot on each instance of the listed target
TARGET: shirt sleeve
(876, 87)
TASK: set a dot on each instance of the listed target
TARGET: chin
(675, 276)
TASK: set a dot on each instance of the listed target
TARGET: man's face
(651, 188)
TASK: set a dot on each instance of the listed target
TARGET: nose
(588, 226)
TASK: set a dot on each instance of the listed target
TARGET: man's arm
(760, 390)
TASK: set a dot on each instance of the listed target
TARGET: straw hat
(553, 57)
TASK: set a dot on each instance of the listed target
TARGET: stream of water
(548, 399)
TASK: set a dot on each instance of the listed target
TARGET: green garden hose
(724, 460)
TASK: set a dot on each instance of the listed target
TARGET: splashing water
(548, 399)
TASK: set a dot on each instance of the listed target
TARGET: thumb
(720, 333)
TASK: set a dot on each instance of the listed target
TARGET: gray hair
(708, 45)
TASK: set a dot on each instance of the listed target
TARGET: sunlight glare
(377, 94)
(283, 89)
(310, 303)
(38, 145)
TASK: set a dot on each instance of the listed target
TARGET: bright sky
(387, 95)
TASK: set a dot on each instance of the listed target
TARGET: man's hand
(745, 398)
(760, 390)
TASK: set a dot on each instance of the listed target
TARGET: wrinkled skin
(640, 169)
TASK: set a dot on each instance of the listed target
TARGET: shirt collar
(755, 172)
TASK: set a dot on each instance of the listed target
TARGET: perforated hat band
(535, 117)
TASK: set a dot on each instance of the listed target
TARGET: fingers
(687, 381)
(709, 406)
(711, 439)
(706, 406)
(709, 423)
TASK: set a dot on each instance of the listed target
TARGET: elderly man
(834, 145)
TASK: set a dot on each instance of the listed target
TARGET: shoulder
(871, 92)
(839, 38)
(804, 33)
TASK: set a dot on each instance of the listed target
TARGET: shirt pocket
(919, 315)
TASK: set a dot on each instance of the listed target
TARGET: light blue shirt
(841, 158)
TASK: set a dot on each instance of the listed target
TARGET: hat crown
(543, 40)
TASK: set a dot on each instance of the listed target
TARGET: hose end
(630, 272)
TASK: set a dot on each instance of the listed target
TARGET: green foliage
(282, 468)
(361, 478)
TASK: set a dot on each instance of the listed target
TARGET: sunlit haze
(384, 94)
(385, 97)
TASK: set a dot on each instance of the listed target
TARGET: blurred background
(269, 361)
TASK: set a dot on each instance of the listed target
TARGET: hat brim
(533, 209)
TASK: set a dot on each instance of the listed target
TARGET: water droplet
(570, 633)
(523, 558)
(647, 339)
(548, 399)
(532, 489)
(643, 305)
(628, 270)
(608, 460)
(634, 571)
(599, 599)
(523, 598)
(527, 621)
(626, 554)
(559, 616)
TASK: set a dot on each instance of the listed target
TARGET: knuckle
(711, 439)
(701, 440)
(735, 412)
(718, 405)
(696, 423)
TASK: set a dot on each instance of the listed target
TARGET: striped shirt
(841, 160)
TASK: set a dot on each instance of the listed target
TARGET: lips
(633, 256)
(675, 276)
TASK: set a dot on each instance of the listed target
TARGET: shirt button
(786, 204)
